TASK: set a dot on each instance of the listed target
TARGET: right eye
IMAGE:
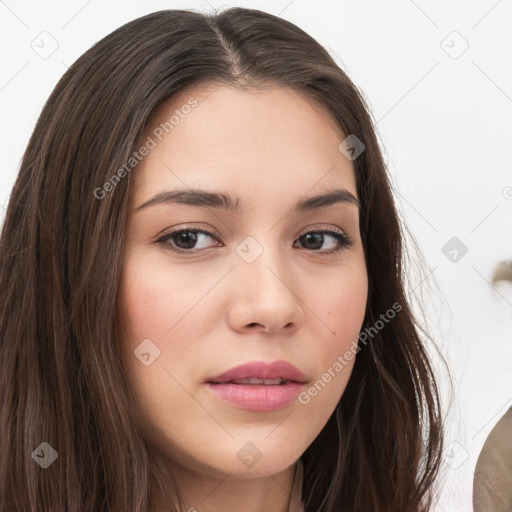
(184, 240)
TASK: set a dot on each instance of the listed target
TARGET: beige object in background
(503, 272)
(492, 483)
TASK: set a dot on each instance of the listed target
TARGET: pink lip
(261, 370)
(256, 397)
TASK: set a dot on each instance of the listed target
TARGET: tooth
(248, 381)
(272, 382)
(253, 380)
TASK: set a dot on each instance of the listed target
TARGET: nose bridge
(262, 259)
(266, 283)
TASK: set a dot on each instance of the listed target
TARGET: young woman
(202, 286)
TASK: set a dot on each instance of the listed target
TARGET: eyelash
(343, 240)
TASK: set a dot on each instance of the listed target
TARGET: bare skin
(208, 309)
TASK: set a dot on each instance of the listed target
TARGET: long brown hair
(61, 377)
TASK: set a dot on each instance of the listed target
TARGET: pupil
(315, 236)
(188, 238)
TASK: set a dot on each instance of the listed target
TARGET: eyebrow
(206, 199)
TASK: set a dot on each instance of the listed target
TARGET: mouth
(258, 386)
(253, 381)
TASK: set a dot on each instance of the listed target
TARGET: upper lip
(261, 370)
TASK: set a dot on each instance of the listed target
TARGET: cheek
(152, 299)
(148, 312)
(342, 309)
(343, 305)
(160, 306)
(146, 315)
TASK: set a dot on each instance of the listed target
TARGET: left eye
(189, 240)
(318, 237)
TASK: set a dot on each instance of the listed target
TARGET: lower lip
(256, 397)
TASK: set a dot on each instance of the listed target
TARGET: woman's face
(262, 287)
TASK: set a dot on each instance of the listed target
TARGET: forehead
(215, 135)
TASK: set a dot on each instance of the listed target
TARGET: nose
(266, 296)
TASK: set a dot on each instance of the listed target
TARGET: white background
(444, 116)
